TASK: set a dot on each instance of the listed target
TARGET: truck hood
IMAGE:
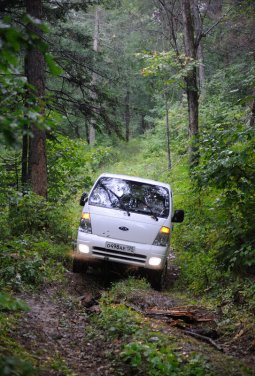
(118, 225)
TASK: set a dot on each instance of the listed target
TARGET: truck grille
(119, 255)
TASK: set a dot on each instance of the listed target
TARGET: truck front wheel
(157, 278)
(79, 266)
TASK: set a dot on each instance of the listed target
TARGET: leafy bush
(122, 289)
(32, 214)
(199, 271)
(13, 83)
(4, 223)
(25, 263)
(8, 303)
(217, 236)
(71, 165)
(145, 351)
(11, 365)
(14, 360)
(227, 165)
(118, 320)
(153, 359)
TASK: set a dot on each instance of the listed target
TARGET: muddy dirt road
(57, 329)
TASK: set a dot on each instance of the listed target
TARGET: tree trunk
(201, 68)
(142, 124)
(87, 128)
(191, 81)
(127, 116)
(168, 138)
(252, 118)
(198, 45)
(77, 131)
(215, 8)
(24, 160)
(35, 71)
(92, 131)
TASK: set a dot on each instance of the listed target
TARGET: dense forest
(161, 89)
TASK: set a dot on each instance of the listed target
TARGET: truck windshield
(131, 196)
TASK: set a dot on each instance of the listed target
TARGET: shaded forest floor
(60, 332)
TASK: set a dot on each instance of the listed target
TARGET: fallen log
(204, 339)
(178, 314)
(186, 315)
(181, 313)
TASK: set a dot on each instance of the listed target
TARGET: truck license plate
(119, 247)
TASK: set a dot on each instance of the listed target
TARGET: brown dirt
(55, 327)
(57, 324)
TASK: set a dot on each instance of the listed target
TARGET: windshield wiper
(108, 190)
(153, 215)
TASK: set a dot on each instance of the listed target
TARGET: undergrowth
(144, 350)
(14, 359)
(28, 263)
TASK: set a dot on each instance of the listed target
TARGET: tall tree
(92, 130)
(199, 48)
(191, 45)
(127, 115)
(186, 18)
(36, 166)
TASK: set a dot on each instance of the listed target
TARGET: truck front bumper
(92, 248)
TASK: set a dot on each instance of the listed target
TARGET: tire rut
(55, 328)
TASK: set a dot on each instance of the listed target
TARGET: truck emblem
(123, 228)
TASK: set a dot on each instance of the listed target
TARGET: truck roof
(135, 178)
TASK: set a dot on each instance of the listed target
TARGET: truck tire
(79, 266)
(157, 278)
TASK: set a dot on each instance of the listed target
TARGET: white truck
(127, 220)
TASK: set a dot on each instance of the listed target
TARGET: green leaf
(53, 67)
(8, 303)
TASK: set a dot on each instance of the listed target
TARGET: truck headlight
(85, 223)
(155, 261)
(83, 248)
(162, 239)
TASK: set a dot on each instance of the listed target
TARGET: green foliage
(26, 263)
(59, 365)
(55, 69)
(232, 85)
(72, 164)
(153, 359)
(10, 169)
(14, 360)
(239, 293)
(30, 214)
(8, 303)
(11, 365)
(12, 84)
(168, 66)
(198, 270)
(19, 106)
(118, 320)
(145, 351)
(227, 165)
(122, 289)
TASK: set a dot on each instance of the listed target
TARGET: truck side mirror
(83, 199)
(178, 216)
